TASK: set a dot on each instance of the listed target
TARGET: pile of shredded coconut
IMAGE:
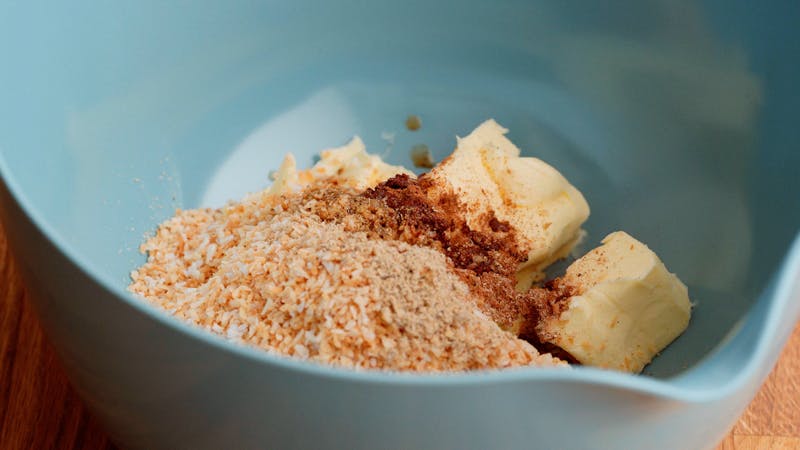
(270, 274)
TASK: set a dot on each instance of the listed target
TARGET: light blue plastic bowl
(676, 119)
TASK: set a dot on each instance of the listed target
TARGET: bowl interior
(671, 117)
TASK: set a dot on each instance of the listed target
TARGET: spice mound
(359, 264)
(295, 285)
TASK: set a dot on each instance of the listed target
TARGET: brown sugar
(424, 204)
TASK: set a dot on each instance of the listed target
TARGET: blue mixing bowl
(676, 119)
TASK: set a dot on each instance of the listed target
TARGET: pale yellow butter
(627, 307)
(488, 175)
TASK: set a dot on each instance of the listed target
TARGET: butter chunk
(352, 166)
(626, 307)
(489, 176)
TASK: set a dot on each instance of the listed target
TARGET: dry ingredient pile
(360, 264)
(378, 279)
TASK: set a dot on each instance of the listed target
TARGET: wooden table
(39, 409)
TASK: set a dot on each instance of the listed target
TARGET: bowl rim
(788, 284)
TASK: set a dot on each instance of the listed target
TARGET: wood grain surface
(39, 409)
